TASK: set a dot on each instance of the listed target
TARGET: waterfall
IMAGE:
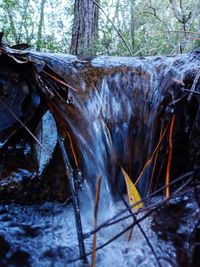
(111, 113)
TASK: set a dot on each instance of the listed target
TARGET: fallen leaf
(133, 193)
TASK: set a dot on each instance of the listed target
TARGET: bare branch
(118, 32)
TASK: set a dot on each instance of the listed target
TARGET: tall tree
(132, 10)
(8, 7)
(39, 36)
(85, 27)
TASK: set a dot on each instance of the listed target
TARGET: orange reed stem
(169, 157)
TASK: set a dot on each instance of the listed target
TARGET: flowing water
(114, 118)
(117, 114)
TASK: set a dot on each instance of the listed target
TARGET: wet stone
(47, 135)
(30, 231)
(19, 259)
(175, 223)
(4, 247)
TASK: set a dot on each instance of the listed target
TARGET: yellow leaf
(133, 194)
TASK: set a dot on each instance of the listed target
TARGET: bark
(85, 27)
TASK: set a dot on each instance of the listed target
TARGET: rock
(47, 134)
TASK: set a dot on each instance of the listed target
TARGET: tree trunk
(85, 27)
(40, 25)
(12, 24)
(132, 7)
(24, 18)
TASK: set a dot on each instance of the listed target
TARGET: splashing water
(45, 235)
(114, 119)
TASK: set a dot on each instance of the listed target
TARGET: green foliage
(151, 33)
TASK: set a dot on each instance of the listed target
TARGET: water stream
(114, 119)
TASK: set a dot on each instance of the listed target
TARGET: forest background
(120, 27)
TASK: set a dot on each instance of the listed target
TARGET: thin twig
(155, 161)
(118, 32)
(139, 220)
(26, 128)
(189, 91)
(149, 207)
(72, 149)
(75, 201)
(48, 83)
(152, 156)
(59, 81)
(194, 86)
(156, 15)
(159, 172)
(174, 31)
(129, 209)
(169, 156)
(108, 222)
(95, 221)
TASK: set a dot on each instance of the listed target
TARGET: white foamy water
(47, 235)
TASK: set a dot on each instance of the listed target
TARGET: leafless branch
(118, 32)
